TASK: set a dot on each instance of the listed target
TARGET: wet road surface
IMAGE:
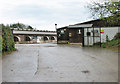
(60, 63)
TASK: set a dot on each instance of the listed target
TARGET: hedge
(115, 42)
(7, 39)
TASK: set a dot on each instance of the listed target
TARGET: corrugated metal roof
(81, 26)
(78, 26)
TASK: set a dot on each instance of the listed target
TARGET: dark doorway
(52, 38)
(16, 39)
(45, 38)
(75, 35)
(27, 38)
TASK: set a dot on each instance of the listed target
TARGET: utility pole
(56, 27)
(56, 31)
(100, 36)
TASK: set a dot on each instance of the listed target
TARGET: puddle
(49, 46)
(86, 71)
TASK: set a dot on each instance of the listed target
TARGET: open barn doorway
(27, 38)
(52, 38)
(45, 38)
(16, 39)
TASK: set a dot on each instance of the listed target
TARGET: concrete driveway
(60, 63)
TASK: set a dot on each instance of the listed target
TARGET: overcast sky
(43, 14)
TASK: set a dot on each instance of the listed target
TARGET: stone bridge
(23, 36)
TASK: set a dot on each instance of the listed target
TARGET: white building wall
(89, 40)
(110, 31)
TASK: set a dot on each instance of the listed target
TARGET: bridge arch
(17, 39)
(45, 38)
(28, 38)
(52, 38)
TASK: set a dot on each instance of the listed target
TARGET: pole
(87, 38)
(56, 31)
(100, 36)
(93, 36)
(83, 37)
(56, 27)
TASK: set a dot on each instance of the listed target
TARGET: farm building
(87, 33)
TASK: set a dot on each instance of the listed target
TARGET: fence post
(100, 36)
(83, 37)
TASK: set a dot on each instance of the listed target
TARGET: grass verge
(8, 52)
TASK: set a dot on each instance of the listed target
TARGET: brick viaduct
(23, 36)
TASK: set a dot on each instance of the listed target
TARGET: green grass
(8, 52)
(112, 43)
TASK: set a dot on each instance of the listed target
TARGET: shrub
(117, 36)
(7, 39)
(97, 43)
(107, 38)
(103, 45)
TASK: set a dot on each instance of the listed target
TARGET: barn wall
(88, 40)
(110, 31)
(62, 35)
(75, 36)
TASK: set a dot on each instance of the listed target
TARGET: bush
(117, 36)
(103, 45)
(7, 39)
(114, 43)
(107, 38)
(97, 43)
